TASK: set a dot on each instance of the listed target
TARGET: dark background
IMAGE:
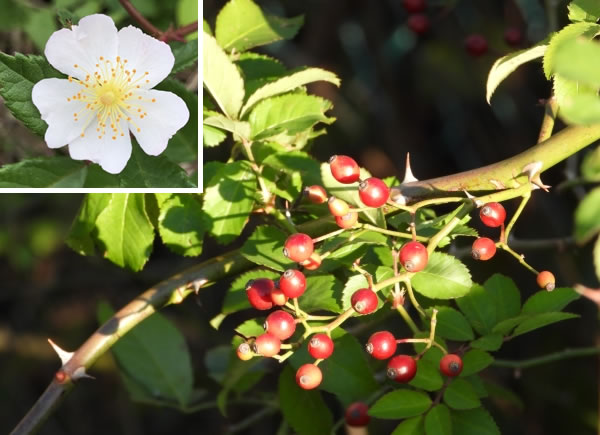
(400, 93)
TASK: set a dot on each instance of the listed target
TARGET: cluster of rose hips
(263, 294)
(403, 368)
(475, 44)
(372, 192)
(493, 215)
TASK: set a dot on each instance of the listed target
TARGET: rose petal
(95, 36)
(145, 54)
(50, 97)
(167, 114)
(111, 154)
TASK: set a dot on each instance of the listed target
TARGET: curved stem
(545, 359)
(169, 291)
(504, 174)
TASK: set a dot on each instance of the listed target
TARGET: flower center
(107, 98)
(111, 94)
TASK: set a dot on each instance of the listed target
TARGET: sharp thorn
(62, 354)
(80, 373)
(408, 175)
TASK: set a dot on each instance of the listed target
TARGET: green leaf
(289, 83)
(505, 296)
(444, 277)
(154, 354)
(40, 25)
(428, 376)
(584, 10)
(229, 199)
(587, 224)
(540, 320)
(240, 129)
(497, 391)
(81, 237)
(578, 59)
(182, 224)
(348, 381)
(265, 247)
(460, 395)
(44, 172)
(186, 55)
(489, 342)
(410, 426)
(183, 146)
(504, 66)
(282, 184)
(18, 74)
(349, 193)
(321, 294)
(242, 25)
(572, 31)
(478, 306)
(289, 113)
(544, 301)
(258, 70)
(474, 422)
(221, 77)
(452, 325)
(206, 27)
(478, 385)
(400, 404)
(304, 410)
(126, 231)
(475, 361)
(186, 12)
(211, 136)
(590, 165)
(579, 103)
(437, 421)
(143, 170)
(597, 257)
(99, 178)
(504, 327)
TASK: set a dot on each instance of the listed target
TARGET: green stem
(513, 220)
(506, 173)
(519, 257)
(552, 357)
(409, 321)
(392, 233)
(463, 210)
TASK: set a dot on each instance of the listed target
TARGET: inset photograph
(99, 94)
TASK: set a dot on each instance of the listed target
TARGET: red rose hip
(414, 256)
(357, 414)
(364, 301)
(316, 194)
(545, 280)
(320, 346)
(418, 23)
(373, 192)
(258, 292)
(483, 249)
(476, 45)
(451, 365)
(309, 376)
(292, 283)
(281, 324)
(381, 345)
(344, 169)
(492, 214)
(402, 368)
(348, 220)
(298, 247)
(266, 344)
(413, 6)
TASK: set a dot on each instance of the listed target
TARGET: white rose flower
(108, 93)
